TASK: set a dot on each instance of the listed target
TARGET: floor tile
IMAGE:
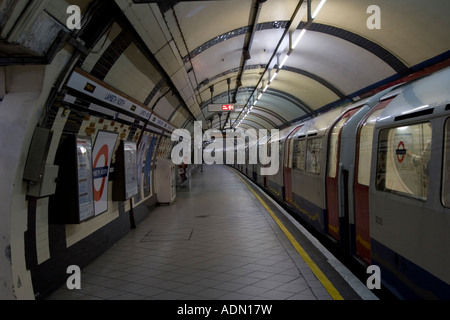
(215, 242)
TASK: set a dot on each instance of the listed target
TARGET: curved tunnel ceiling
(226, 48)
(176, 57)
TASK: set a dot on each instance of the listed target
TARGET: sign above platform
(214, 107)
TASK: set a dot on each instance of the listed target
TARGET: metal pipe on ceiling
(254, 16)
(295, 16)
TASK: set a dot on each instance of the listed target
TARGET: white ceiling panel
(202, 21)
(132, 74)
(314, 94)
(345, 65)
(219, 58)
(200, 44)
(414, 30)
(164, 109)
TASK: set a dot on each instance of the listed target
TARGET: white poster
(142, 149)
(101, 156)
(85, 195)
(130, 154)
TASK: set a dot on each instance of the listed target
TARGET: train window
(365, 148)
(334, 144)
(403, 160)
(313, 150)
(299, 155)
(446, 173)
(286, 155)
(291, 146)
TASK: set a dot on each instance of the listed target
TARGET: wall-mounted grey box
(47, 186)
(37, 155)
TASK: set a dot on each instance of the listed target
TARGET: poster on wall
(84, 170)
(148, 166)
(141, 154)
(101, 156)
(130, 155)
(402, 143)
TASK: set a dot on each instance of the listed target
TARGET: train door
(332, 194)
(287, 166)
(362, 180)
(269, 153)
(246, 164)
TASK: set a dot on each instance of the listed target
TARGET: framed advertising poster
(84, 169)
(105, 143)
(73, 201)
(125, 174)
(142, 149)
(130, 158)
(148, 167)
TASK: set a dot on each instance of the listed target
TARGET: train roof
(317, 126)
(418, 99)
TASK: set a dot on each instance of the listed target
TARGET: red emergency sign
(227, 107)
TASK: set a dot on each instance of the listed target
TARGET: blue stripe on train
(307, 211)
(406, 279)
(276, 190)
(310, 213)
(401, 276)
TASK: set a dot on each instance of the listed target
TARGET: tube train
(374, 179)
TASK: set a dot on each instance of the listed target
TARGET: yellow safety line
(315, 269)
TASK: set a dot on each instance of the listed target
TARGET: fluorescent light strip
(283, 62)
(286, 57)
(298, 39)
(316, 12)
(273, 76)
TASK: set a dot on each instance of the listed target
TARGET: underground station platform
(223, 239)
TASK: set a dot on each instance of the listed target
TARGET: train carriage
(322, 155)
(373, 177)
(310, 144)
(409, 190)
(341, 167)
(275, 183)
(359, 179)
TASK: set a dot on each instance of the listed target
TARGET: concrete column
(23, 87)
(26, 91)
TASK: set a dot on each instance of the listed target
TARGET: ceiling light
(316, 12)
(283, 62)
(265, 88)
(298, 39)
(273, 76)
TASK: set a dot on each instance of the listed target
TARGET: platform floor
(217, 241)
